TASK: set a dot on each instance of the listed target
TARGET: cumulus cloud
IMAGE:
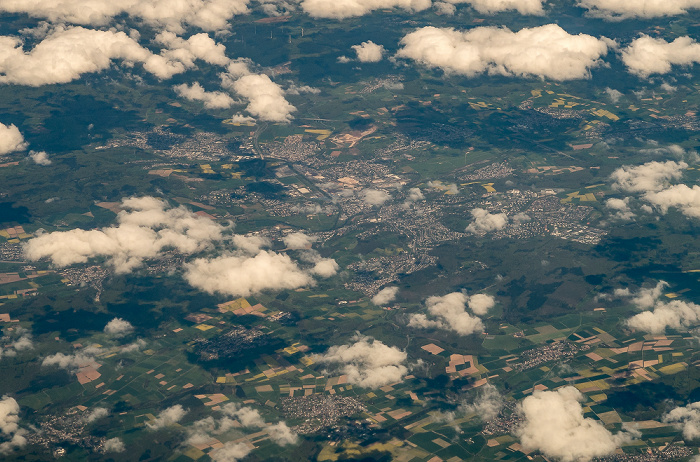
(114, 445)
(680, 196)
(15, 340)
(173, 14)
(487, 404)
(40, 157)
(385, 296)
(230, 452)
(481, 303)
(197, 46)
(146, 227)
(281, 434)
(325, 267)
(296, 241)
(9, 426)
(647, 55)
(73, 362)
(266, 99)
(676, 314)
(686, 418)
(415, 195)
(342, 9)
(118, 327)
(448, 312)
(369, 52)
(167, 417)
(211, 99)
(445, 8)
(485, 222)
(294, 89)
(554, 424)
(374, 196)
(235, 416)
(243, 275)
(622, 9)
(67, 53)
(496, 6)
(620, 207)
(547, 51)
(367, 362)
(11, 140)
(613, 94)
(652, 176)
(250, 244)
(653, 180)
(96, 414)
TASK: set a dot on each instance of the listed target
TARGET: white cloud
(167, 417)
(250, 244)
(281, 434)
(676, 314)
(481, 303)
(623, 9)
(40, 157)
(652, 176)
(687, 418)
(342, 9)
(137, 345)
(72, 363)
(374, 196)
(367, 362)
(21, 340)
(325, 267)
(447, 9)
(369, 52)
(114, 445)
(197, 46)
(9, 415)
(653, 180)
(296, 241)
(385, 296)
(613, 94)
(243, 275)
(211, 99)
(415, 195)
(235, 416)
(554, 424)
(11, 139)
(266, 99)
(448, 312)
(96, 414)
(547, 51)
(294, 89)
(146, 227)
(65, 54)
(487, 404)
(647, 55)
(485, 222)
(118, 327)
(680, 196)
(521, 217)
(621, 207)
(247, 416)
(496, 6)
(206, 14)
(230, 452)
(9, 426)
